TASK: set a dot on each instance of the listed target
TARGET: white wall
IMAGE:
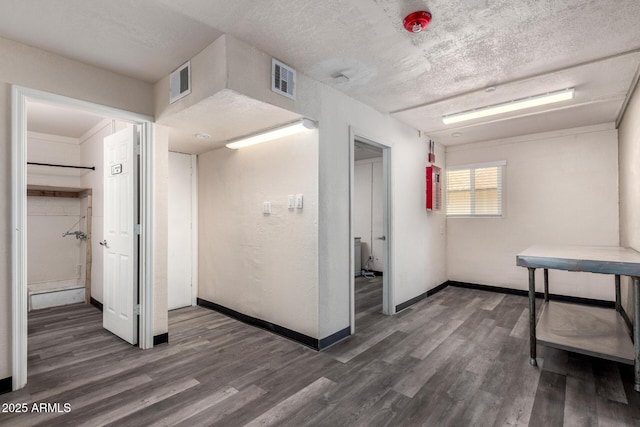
(629, 159)
(50, 256)
(160, 226)
(44, 148)
(180, 234)
(418, 241)
(367, 191)
(263, 266)
(38, 69)
(560, 188)
(418, 248)
(208, 76)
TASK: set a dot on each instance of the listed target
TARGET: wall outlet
(298, 201)
(266, 208)
(291, 201)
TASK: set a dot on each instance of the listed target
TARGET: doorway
(21, 97)
(370, 203)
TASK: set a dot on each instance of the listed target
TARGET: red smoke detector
(417, 21)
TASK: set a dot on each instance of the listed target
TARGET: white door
(180, 262)
(120, 244)
(377, 224)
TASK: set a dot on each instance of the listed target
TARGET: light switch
(291, 201)
(298, 201)
(266, 208)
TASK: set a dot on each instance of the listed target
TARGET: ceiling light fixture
(271, 134)
(506, 107)
(202, 136)
(456, 134)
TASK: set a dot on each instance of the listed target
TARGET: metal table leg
(546, 285)
(532, 317)
(618, 295)
(636, 331)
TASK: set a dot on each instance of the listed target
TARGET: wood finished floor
(459, 358)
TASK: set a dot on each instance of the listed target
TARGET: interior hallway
(457, 358)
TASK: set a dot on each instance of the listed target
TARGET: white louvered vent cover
(180, 82)
(283, 79)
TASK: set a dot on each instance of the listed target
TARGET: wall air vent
(180, 82)
(283, 79)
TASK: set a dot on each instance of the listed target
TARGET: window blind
(475, 190)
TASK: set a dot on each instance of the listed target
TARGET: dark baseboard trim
(437, 289)
(161, 339)
(6, 385)
(554, 297)
(334, 338)
(520, 292)
(263, 324)
(420, 297)
(97, 304)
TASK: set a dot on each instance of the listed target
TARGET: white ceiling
(61, 121)
(364, 151)
(523, 47)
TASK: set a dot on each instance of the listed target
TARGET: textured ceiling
(523, 47)
(141, 38)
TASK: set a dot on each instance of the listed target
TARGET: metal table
(595, 331)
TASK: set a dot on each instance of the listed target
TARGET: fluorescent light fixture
(268, 135)
(518, 104)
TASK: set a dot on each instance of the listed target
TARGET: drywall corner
(208, 76)
(160, 227)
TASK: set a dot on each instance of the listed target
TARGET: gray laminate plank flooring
(458, 358)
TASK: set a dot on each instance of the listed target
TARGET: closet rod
(62, 166)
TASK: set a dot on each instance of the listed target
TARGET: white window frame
(501, 164)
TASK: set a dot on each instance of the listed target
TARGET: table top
(594, 259)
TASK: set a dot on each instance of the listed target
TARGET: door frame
(19, 289)
(388, 306)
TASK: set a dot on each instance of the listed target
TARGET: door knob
(104, 243)
(382, 238)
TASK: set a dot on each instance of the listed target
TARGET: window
(475, 190)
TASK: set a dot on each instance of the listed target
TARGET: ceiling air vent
(180, 82)
(283, 79)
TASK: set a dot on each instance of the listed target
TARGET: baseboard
(420, 297)
(6, 385)
(97, 304)
(161, 339)
(314, 343)
(327, 342)
(554, 297)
